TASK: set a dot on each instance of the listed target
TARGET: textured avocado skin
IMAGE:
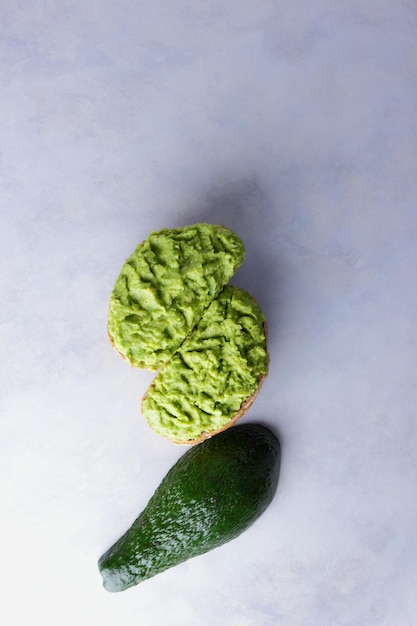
(213, 493)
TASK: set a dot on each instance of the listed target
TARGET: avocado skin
(214, 492)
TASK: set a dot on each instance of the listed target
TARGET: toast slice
(215, 375)
(165, 286)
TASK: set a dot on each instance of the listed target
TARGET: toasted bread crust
(141, 365)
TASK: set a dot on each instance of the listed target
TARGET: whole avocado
(214, 492)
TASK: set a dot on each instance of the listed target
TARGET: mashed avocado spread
(164, 288)
(213, 372)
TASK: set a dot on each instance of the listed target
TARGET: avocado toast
(216, 373)
(164, 287)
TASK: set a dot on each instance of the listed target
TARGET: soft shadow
(246, 208)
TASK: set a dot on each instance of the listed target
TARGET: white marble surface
(293, 122)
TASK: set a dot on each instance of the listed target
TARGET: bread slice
(165, 286)
(215, 375)
(206, 434)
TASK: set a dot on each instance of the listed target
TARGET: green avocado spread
(213, 372)
(164, 288)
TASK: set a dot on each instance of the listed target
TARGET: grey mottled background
(294, 123)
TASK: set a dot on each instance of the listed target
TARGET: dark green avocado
(214, 492)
